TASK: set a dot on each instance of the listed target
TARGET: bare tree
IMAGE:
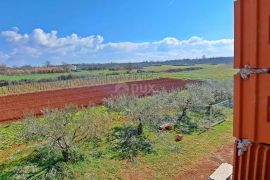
(47, 63)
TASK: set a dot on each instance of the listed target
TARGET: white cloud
(14, 36)
(51, 40)
(171, 41)
(46, 39)
(125, 46)
(38, 46)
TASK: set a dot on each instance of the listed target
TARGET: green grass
(208, 72)
(194, 147)
(167, 162)
(169, 159)
(50, 75)
(165, 67)
(218, 72)
(10, 135)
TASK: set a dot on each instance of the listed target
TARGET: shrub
(43, 164)
(127, 142)
(185, 125)
(218, 113)
(121, 103)
(64, 130)
(195, 100)
(148, 111)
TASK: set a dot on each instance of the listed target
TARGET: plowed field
(15, 106)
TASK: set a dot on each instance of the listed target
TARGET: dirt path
(201, 170)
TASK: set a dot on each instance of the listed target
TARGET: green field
(166, 162)
(208, 72)
(50, 75)
(218, 72)
(166, 67)
(169, 159)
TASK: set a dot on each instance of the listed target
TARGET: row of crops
(73, 83)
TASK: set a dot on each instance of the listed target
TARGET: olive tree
(65, 129)
(193, 98)
(222, 90)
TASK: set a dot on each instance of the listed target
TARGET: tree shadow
(36, 165)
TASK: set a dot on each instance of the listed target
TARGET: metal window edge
(247, 71)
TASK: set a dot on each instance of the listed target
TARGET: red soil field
(15, 106)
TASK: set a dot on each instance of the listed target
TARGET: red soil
(15, 106)
(203, 168)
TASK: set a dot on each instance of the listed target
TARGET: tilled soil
(15, 106)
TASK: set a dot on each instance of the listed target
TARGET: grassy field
(166, 67)
(170, 158)
(50, 75)
(207, 72)
(218, 72)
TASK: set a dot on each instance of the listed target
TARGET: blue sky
(90, 31)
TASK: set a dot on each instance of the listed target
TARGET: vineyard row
(63, 84)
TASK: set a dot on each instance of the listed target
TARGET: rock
(166, 127)
(179, 137)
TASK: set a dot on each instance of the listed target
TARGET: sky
(99, 31)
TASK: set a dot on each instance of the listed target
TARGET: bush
(65, 130)
(148, 111)
(179, 106)
(122, 103)
(127, 143)
(185, 125)
(43, 164)
(56, 172)
(218, 113)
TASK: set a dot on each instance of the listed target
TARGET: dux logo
(121, 88)
(135, 89)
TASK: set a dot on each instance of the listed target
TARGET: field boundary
(14, 107)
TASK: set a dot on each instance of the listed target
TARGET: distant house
(72, 67)
(69, 67)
